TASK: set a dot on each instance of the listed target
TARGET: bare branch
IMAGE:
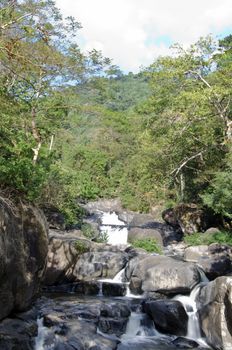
(176, 171)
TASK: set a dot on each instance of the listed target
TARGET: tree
(188, 116)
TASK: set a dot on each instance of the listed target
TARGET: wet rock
(113, 326)
(169, 316)
(115, 310)
(164, 275)
(215, 259)
(184, 343)
(113, 289)
(23, 251)
(86, 288)
(215, 301)
(18, 333)
(73, 344)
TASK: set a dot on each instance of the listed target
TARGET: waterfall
(190, 305)
(119, 277)
(45, 339)
(139, 325)
(114, 228)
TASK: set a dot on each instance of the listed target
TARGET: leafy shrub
(149, 244)
(88, 231)
(222, 237)
(82, 247)
(102, 237)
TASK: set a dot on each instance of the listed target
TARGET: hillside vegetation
(73, 127)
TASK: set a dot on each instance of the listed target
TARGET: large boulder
(189, 217)
(169, 316)
(137, 233)
(73, 258)
(23, 251)
(215, 259)
(216, 312)
(164, 275)
(94, 265)
(19, 332)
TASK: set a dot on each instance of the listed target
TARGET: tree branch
(176, 171)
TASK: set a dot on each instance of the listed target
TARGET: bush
(82, 247)
(148, 244)
(222, 237)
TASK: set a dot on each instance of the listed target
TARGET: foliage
(222, 237)
(148, 244)
(88, 231)
(74, 127)
(218, 195)
(102, 237)
(81, 247)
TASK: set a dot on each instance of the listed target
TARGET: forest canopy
(74, 127)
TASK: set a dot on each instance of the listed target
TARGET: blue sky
(134, 32)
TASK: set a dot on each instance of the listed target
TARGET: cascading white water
(190, 305)
(42, 332)
(114, 228)
(118, 278)
(135, 328)
(45, 339)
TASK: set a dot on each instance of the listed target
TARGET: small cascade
(39, 340)
(114, 228)
(100, 294)
(41, 336)
(119, 277)
(190, 305)
(139, 325)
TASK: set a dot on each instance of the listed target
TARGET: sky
(134, 32)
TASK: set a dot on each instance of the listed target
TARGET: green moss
(148, 244)
(222, 237)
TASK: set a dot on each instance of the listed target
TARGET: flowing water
(140, 333)
(190, 305)
(114, 228)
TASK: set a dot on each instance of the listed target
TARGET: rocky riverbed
(103, 296)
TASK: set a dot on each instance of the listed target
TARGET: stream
(66, 321)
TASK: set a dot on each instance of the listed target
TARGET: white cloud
(126, 30)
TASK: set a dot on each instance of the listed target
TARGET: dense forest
(74, 127)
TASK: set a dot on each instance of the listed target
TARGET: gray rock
(113, 326)
(113, 289)
(140, 220)
(184, 343)
(98, 264)
(144, 233)
(18, 333)
(165, 275)
(23, 251)
(103, 205)
(212, 230)
(215, 259)
(189, 217)
(169, 316)
(216, 312)
(71, 258)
